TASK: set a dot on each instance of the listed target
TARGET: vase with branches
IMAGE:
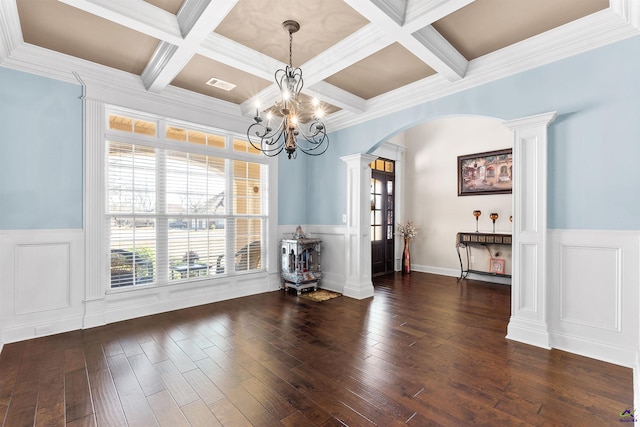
(408, 230)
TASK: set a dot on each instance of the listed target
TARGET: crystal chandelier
(291, 134)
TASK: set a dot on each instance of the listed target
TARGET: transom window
(187, 203)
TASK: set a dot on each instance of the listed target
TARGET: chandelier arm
(315, 128)
(318, 140)
(312, 151)
(270, 142)
(297, 73)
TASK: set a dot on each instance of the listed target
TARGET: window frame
(162, 145)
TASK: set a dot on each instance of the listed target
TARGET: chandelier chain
(290, 49)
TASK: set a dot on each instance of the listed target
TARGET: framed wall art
(486, 173)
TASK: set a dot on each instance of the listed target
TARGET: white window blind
(180, 206)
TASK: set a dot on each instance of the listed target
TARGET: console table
(464, 241)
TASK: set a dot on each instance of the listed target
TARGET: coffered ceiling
(361, 58)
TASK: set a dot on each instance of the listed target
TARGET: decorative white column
(94, 118)
(358, 241)
(529, 302)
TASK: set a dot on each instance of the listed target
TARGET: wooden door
(382, 216)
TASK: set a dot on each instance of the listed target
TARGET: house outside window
(184, 202)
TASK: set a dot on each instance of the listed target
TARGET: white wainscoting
(43, 288)
(333, 260)
(129, 303)
(593, 294)
(41, 291)
(594, 278)
(593, 283)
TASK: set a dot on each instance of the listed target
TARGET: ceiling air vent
(220, 84)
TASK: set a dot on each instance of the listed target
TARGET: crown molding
(120, 88)
(10, 31)
(629, 10)
(620, 21)
(596, 30)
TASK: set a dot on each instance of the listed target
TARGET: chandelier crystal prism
(291, 134)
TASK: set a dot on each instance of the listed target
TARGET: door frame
(395, 152)
(386, 177)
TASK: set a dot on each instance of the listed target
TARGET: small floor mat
(320, 295)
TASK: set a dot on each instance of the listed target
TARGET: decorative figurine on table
(299, 234)
(493, 217)
(477, 214)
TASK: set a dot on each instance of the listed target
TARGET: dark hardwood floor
(425, 350)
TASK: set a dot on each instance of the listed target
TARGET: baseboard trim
(594, 350)
(528, 332)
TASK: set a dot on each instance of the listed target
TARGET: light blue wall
(593, 153)
(292, 189)
(40, 152)
(594, 147)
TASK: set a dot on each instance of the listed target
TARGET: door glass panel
(377, 232)
(378, 202)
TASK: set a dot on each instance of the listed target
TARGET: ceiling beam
(422, 13)
(352, 49)
(197, 19)
(338, 97)
(234, 54)
(137, 15)
(359, 45)
(429, 46)
(180, 36)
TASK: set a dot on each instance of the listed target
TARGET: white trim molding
(358, 239)
(332, 260)
(594, 284)
(43, 282)
(395, 152)
(528, 321)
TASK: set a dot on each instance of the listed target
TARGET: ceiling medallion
(295, 129)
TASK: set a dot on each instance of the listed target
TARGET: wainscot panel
(41, 292)
(593, 293)
(332, 255)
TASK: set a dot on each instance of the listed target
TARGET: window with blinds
(187, 204)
